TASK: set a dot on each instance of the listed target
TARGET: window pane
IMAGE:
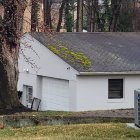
(30, 94)
(115, 88)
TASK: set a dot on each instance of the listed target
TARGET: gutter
(110, 73)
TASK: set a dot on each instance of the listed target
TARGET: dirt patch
(118, 113)
(14, 110)
(20, 117)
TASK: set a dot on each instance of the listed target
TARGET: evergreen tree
(69, 19)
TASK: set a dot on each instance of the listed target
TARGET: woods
(89, 15)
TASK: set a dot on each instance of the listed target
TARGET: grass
(105, 131)
(50, 113)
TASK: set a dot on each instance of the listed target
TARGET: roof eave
(111, 73)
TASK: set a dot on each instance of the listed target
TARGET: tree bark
(8, 79)
(10, 29)
(79, 24)
(61, 10)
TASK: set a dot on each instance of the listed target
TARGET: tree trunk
(34, 14)
(8, 79)
(136, 16)
(107, 15)
(69, 21)
(9, 48)
(116, 5)
(88, 15)
(47, 14)
(79, 24)
(92, 15)
(61, 10)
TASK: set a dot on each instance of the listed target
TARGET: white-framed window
(115, 89)
(29, 94)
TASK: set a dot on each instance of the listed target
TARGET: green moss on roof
(75, 58)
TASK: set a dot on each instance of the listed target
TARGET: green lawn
(105, 131)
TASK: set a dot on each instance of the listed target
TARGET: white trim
(116, 100)
(110, 73)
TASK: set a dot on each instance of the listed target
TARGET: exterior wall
(39, 60)
(86, 92)
(92, 92)
(24, 80)
(36, 62)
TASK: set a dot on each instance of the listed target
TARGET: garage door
(55, 94)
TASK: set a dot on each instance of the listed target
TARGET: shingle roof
(108, 52)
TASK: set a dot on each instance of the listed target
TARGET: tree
(69, 21)
(47, 13)
(79, 24)
(115, 6)
(61, 10)
(94, 13)
(136, 15)
(105, 16)
(10, 29)
(125, 19)
(34, 15)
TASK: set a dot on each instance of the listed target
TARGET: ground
(122, 113)
(93, 131)
(14, 110)
(105, 131)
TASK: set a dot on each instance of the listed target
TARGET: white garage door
(55, 94)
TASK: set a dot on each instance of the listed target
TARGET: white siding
(92, 93)
(30, 80)
(49, 64)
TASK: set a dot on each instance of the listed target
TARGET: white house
(80, 71)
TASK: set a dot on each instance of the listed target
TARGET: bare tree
(47, 13)
(79, 24)
(136, 15)
(10, 29)
(61, 10)
(34, 12)
(92, 15)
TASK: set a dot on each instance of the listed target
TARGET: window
(115, 88)
(29, 93)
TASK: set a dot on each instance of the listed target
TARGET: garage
(55, 94)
